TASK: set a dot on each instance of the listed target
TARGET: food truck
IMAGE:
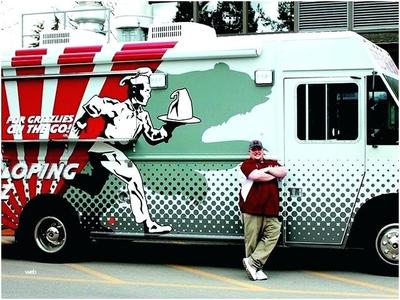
(143, 140)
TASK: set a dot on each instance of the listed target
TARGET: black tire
(50, 231)
(383, 247)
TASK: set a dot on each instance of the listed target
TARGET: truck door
(325, 155)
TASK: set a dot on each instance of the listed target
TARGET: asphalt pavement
(121, 269)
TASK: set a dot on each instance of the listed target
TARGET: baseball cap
(255, 143)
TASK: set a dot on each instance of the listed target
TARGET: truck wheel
(387, 244)
(383, 247)
(50, 232)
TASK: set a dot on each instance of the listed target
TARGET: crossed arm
(268, 173)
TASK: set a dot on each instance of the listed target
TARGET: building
(378, 21)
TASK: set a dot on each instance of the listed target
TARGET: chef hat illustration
(139, 76)
(180, 110)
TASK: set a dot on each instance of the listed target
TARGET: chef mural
(125, 122)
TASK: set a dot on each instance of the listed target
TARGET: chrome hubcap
(387, 244)
(50, 234)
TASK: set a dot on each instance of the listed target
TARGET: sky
(11, 17)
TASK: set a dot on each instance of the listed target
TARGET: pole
(195, 11)
(245, 14)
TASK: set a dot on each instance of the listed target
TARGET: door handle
(295, 192)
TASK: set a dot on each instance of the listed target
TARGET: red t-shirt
(263, 197)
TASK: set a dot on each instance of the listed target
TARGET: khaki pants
(260, 237)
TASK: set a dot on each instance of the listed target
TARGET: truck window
(382, 114)
(327, 111)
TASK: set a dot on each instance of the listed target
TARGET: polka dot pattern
(327, 191)
(201, 198)
(193, 197)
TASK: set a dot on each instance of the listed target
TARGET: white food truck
(143, 140)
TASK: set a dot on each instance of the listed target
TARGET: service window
(382, 114)
(327, 111)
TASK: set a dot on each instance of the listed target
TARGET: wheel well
(378, 209)
(47, 202)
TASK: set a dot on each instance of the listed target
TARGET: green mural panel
(217, 95)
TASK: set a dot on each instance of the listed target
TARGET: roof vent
(54, 37)
(71, 38)
(178, 31)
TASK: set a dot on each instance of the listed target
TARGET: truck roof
(288, 51)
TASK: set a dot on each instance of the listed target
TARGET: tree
(286, 15)
(184, 13)
(226, 18)
(266, 20)
(56, 25)
(39, 27)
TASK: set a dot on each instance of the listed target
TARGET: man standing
(259, 204)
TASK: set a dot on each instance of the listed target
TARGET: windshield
(382, 113)
(393, 85)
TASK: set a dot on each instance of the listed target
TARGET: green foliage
(184, 13)
(285, 16)
(227, 18)
(39, 27)
(56, 25)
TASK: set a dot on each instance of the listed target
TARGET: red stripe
(28, 57)
(30, 93)
(9, 213)
(73, 89)
(31, 156)
(76, 58)
(30, 71)
(69, 93)
(69, 96)
(4, 115)
(20, 194)
(147, 54)
(13, 203)
(82, 49)
(7, 223)
(11, 155)
(147, 45)
(31, 51)
(111, 88)
(26, 61)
